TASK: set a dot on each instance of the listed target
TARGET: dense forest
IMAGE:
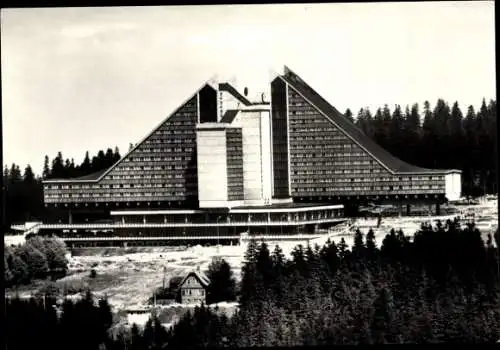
(439, 137)
(23, 192)
(405, 291)
(64, 169)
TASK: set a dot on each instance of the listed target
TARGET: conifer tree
(249, 274)
(46, 169)
(358, 249)
(348, 115)
(329, 254)
(86, 166)
(371, 247)
(264, 265)
(222, 283)
(279, 274)
(384, 316)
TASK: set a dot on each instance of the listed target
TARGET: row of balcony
(180, 225)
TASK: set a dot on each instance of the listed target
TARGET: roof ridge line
(207, 82)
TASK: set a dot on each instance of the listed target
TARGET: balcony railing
(160, 225)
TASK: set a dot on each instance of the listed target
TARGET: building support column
(438, 209)
(408, 209)
(70, 217)
(164, 219)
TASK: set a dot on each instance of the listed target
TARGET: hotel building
(221, 165)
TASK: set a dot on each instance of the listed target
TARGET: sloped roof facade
(394, 164)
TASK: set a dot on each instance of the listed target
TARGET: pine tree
(329, 254)
(222, 283)
(72, 169)
(86, 167)
(471, 148)
(136, 342)
(105, 318)
(116, 155)
(348, 115)
(456, 121)
(264, 265)
(46, 169)
(429, 137)
(249, 276)
(384, 317)
(360, 119)
(441, 129)
(370, 131)
(397, 123)
(358, 249)
(109, 157)
(343, 251)
(15, 174)
(371, 246)
(380, 125)
(67, 166)
(428, 124)
(279, 274)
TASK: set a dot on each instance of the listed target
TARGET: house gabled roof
(386, 159)
(200, 276)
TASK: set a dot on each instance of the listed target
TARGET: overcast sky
(78, 79)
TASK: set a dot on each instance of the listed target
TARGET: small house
(193, 288)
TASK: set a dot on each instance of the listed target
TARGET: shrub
(50, 289)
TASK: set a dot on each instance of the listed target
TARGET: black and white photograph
(259, 175)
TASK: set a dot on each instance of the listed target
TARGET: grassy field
(127, 277)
